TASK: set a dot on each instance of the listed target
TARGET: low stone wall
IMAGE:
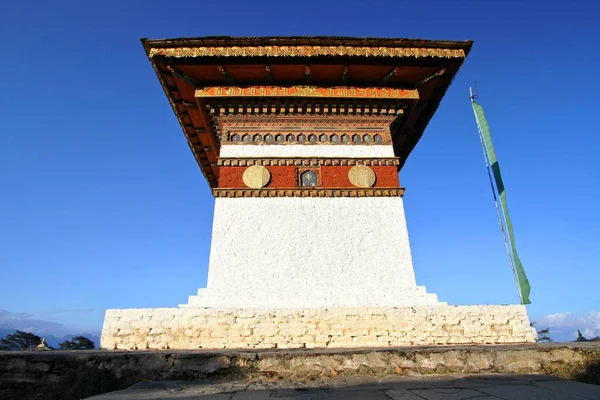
(73, 375)
(207, 328)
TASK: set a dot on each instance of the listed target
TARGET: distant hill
(24, 322)
(54, 332)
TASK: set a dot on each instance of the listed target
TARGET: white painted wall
(310, 252)
(306, 150)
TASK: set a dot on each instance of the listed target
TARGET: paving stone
(508, 379)
(446, 393)
(358, 395)
(300, 394)
(333, 394)
(252, 395)
(402, 394)
(220, 396)
(523, 392)
(133, 394)
(448, 387)
(571, 388)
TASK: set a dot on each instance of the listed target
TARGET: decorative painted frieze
(309, 108)
(308, 91)
(307, 51)
(309, 192)
(321, 176)
(304, 129)
(234, 161)
(307, 138)
(306, 121)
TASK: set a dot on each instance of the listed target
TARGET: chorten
(301, 140)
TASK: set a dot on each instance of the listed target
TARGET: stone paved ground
(454, 387)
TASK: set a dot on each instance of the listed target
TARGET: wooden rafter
(307, 74)
(439, 73)
(212, 137)
(269, 75)
(226, 77)
(183, 76)
(387, 76)
(345, 76)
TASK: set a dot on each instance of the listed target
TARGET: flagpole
(500, 219)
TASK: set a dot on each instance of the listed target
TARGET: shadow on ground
(453, 387)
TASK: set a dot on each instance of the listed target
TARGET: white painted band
(350, 151)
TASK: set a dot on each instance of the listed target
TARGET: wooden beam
(439, 73)
(206, 120)
(183, 76)
(307, 74)
(189, 104)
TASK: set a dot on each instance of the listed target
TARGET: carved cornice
(308, 91)
(307, 161)
(309, 192)
(307, 138)
(307, 51)
(302, 121)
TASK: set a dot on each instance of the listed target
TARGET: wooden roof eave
(229, 41)
(208, 171)
(433, 92)
(306, 47)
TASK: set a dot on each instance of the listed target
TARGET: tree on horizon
(543, 335)
(20, 341)
(77, 343)
(581, 338)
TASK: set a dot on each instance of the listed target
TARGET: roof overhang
(202, 74)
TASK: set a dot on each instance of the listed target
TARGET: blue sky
(103, 205)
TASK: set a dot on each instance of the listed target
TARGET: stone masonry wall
(205, 328)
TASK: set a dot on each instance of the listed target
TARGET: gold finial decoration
(256, 176)
(361, 176)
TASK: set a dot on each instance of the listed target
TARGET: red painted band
(285, 176)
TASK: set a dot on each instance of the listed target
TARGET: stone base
(209, 328)
(320, 298)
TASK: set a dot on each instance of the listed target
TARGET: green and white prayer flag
(500, 199)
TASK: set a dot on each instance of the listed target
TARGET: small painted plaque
(308, 178)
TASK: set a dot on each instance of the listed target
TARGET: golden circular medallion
(361, 176)
(256, 176)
